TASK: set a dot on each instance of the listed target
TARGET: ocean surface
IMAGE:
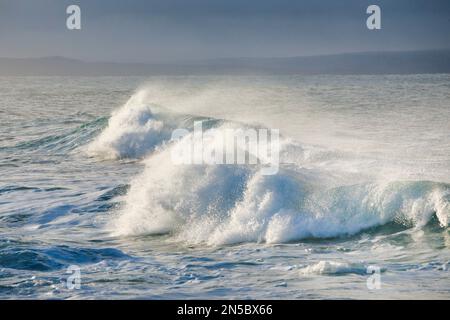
(358, 209)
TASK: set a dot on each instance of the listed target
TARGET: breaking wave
(315, 194)
(132, 131)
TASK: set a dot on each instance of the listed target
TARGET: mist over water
(87, 179)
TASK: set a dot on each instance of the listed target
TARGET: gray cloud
(142, 30)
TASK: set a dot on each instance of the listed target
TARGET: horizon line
(224, 58)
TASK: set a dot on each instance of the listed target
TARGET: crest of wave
(132, 131)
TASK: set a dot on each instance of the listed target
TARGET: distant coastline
(394, 62)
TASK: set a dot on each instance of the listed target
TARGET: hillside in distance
(399, 62)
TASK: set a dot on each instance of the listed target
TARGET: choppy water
(363, 181)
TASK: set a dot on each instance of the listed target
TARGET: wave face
(315, 194)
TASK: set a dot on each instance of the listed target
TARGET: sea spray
(313, 193)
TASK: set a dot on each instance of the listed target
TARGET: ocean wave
(138, 128)
(313, 195)
(132, 131)
(225, 205)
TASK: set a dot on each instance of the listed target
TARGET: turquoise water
(363, 182)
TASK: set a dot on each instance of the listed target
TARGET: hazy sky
(161, 30)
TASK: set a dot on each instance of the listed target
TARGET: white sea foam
(314, 194)
(132, 131)
(231, 204)
(333, 268)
